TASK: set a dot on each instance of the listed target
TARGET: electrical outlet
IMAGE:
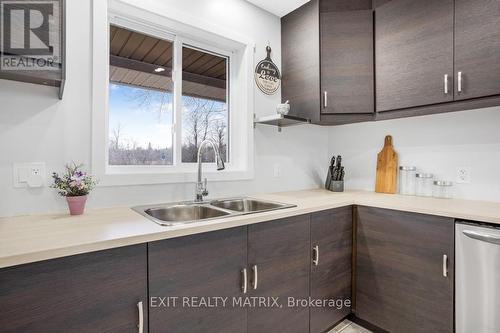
(464, 175)
(29, 174)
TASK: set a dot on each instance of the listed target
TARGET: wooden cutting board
(387, 168)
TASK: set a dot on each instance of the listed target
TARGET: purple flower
(74, 182)
(78, 176)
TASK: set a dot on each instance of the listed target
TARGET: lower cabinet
(279, 259)
(225, 281)
(404, 271)
(404, 277)
(191, 267)
(93, 292)
(258, 263)
(331, 241)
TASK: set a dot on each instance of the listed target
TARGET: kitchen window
(141, 101)
(160, 93)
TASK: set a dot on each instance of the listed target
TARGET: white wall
(437, 144)
(35, 126)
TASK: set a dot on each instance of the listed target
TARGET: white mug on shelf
(283, 108)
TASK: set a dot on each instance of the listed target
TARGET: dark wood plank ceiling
(134, 57)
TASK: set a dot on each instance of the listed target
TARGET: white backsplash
(437, 144)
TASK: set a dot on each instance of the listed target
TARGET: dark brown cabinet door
(413, 53)
(477, 48)
(347, 73)
(401, 284)
(204, 265)
(331, 240)
(94, 292)
(280, 250)
(300, 61)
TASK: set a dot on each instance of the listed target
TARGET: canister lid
(408, 168)
(424, 175)
(443, 183)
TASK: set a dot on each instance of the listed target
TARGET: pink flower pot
(76, 204)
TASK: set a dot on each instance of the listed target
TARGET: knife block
(333, 185)
(336, 186)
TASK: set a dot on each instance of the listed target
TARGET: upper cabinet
(34, 52)
(300, 61)
(477, 48)
(346, 30)
(430, 52)
(327, 49)
(436, 56)
(349, 61)
(414, 53)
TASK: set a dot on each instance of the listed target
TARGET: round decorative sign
(267, 75)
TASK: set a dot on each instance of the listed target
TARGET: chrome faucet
(201, 187)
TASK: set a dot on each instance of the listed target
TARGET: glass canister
(423, 185)
(443, 189)
(407, 180)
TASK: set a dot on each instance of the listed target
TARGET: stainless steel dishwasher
(477, 284)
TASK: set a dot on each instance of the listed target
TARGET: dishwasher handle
(493, 239)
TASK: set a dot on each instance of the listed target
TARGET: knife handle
(335, 174)
(328, 179)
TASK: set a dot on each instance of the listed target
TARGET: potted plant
(75, 185)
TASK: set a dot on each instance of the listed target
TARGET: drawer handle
(140, 309)
(459, 82)
(325, 99)
(244, 285)
(446, 84)
(255, 279)
(445, 265)
(316, 255)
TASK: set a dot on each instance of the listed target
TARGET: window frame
(240, 130)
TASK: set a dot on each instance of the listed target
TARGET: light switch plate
(29, 174)
(277, 170)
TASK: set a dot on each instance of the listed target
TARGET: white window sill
(150, 178)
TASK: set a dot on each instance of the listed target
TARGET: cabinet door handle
(244, 285)
(255, 279)
(316, 255)
(140, 309)
(325, 99)
(459, 82)
(445, 265)
(446, 84)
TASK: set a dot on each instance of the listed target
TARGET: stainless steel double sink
(191, 212)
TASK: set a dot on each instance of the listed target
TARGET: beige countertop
(28, 239)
